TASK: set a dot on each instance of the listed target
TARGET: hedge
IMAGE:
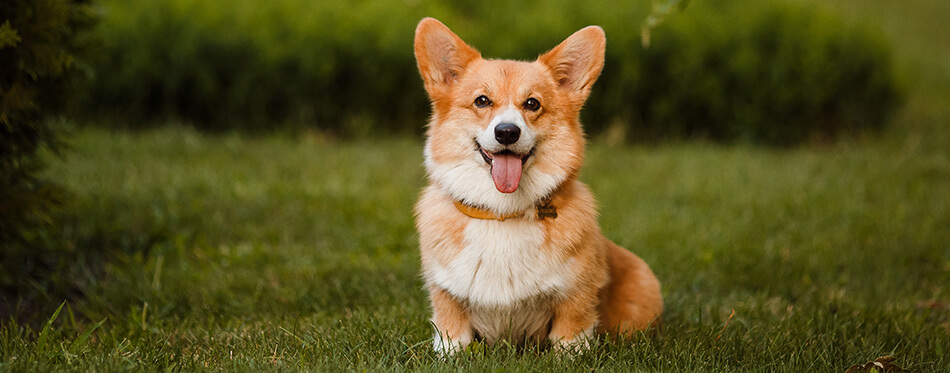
(767, 72)
(775, 73)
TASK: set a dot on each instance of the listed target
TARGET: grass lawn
(230, 252)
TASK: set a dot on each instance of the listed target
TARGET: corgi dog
(510, 245)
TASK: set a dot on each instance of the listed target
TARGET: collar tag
(546, 209)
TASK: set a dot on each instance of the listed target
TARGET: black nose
(507, 133)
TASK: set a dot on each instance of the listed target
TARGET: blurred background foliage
(763, 72)
(40, 75)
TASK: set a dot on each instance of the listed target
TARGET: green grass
(288, 253)
(229, 252)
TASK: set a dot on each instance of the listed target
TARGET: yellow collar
(545, 210)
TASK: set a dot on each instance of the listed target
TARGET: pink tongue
(506, 172)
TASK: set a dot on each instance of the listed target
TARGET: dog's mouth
(506, 167)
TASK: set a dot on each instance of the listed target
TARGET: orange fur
(449, 314)
(601, 285)
(631, 301)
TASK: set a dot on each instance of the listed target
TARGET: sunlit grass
(279, 252)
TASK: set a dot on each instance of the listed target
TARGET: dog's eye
(482, 101)
(531, 104)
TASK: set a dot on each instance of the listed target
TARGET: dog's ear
(577, 61)
(441, 56)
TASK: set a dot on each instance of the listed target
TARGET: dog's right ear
(441, 56)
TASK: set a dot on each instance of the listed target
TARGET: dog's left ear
(577, 61)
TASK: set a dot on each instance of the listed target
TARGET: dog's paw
(446, 346)
(576, 345)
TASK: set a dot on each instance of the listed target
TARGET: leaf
(882, 364)
(8, 35)
(659, 13)
(81, 340)
(44, 334)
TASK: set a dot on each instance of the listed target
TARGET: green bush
(257, 65)
(768, 73)
(39, 40)
(763, 72)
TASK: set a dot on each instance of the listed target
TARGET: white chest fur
(527, 319)
(503, 264)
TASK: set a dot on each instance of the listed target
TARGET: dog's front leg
(452, 322)
(572, 329)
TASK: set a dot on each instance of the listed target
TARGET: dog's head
(505, 134)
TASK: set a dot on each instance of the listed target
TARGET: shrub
(764, 72)
(257, 65)
(38, 71)
(767, 73)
